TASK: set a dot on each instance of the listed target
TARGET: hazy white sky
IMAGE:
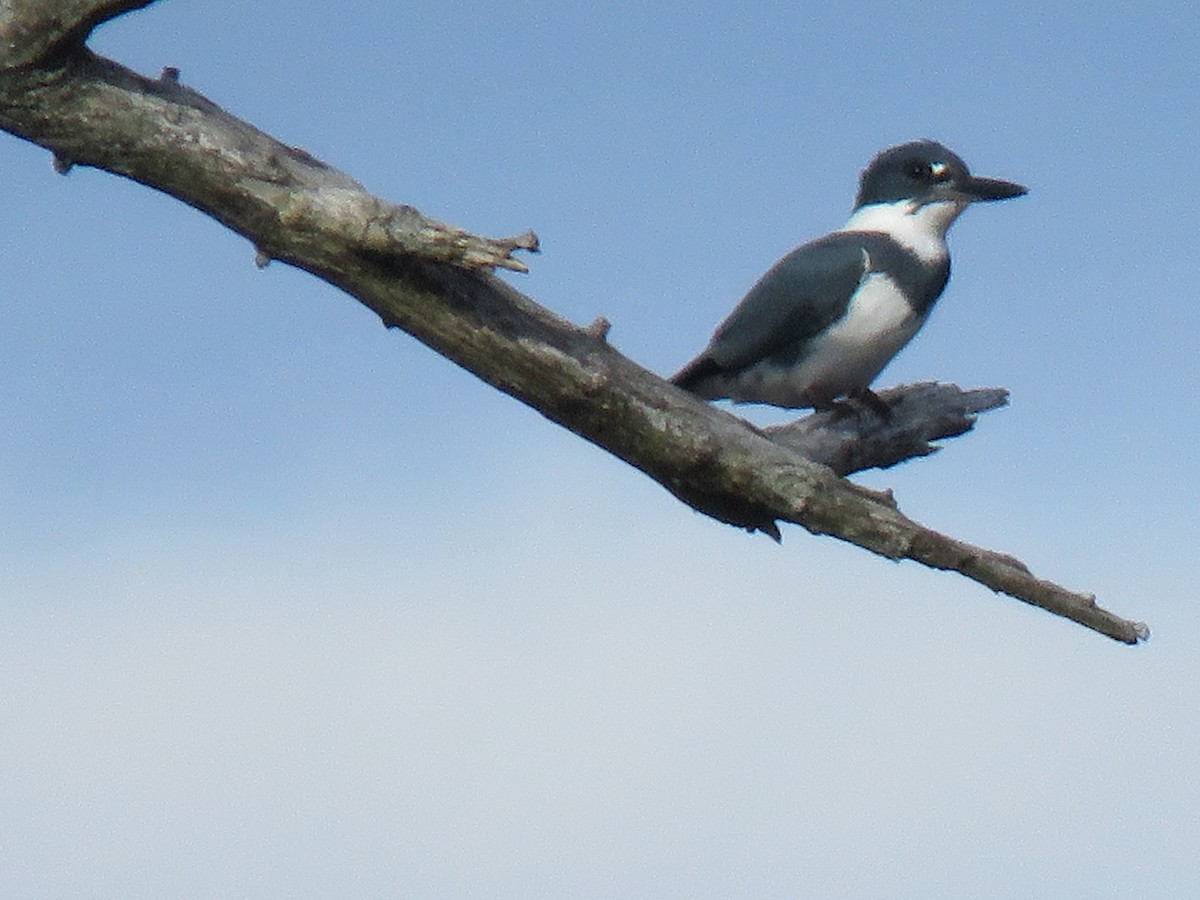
(294, 607)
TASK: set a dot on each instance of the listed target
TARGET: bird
(822, 323)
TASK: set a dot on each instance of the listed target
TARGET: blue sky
(295, 607)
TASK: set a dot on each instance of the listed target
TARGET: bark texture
(435, 282)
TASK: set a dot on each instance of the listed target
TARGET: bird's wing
(800, 296)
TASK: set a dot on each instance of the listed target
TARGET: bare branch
(90, 111)
(432, 280)
(920, 414)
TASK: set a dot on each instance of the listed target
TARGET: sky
(290, 606)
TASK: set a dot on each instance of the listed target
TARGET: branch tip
(770, 529)
(513, 265)
(489, 253)
(527, 240)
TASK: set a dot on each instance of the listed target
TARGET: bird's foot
(872, 401)
(839, 409)
(856, 404)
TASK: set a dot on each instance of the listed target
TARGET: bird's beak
(992, 189)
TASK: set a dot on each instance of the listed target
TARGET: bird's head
(926, 172)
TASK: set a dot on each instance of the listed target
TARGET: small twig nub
(599, 329)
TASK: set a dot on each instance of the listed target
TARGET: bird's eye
(919, 171)
(940, 171)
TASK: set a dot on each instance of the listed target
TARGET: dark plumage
(824, 320)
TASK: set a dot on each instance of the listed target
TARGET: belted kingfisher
(826, 319)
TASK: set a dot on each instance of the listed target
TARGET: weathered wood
(433, 281)
(919, 415)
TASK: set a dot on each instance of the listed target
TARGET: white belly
(847, 357)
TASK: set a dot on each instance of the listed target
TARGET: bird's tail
(701, 377)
